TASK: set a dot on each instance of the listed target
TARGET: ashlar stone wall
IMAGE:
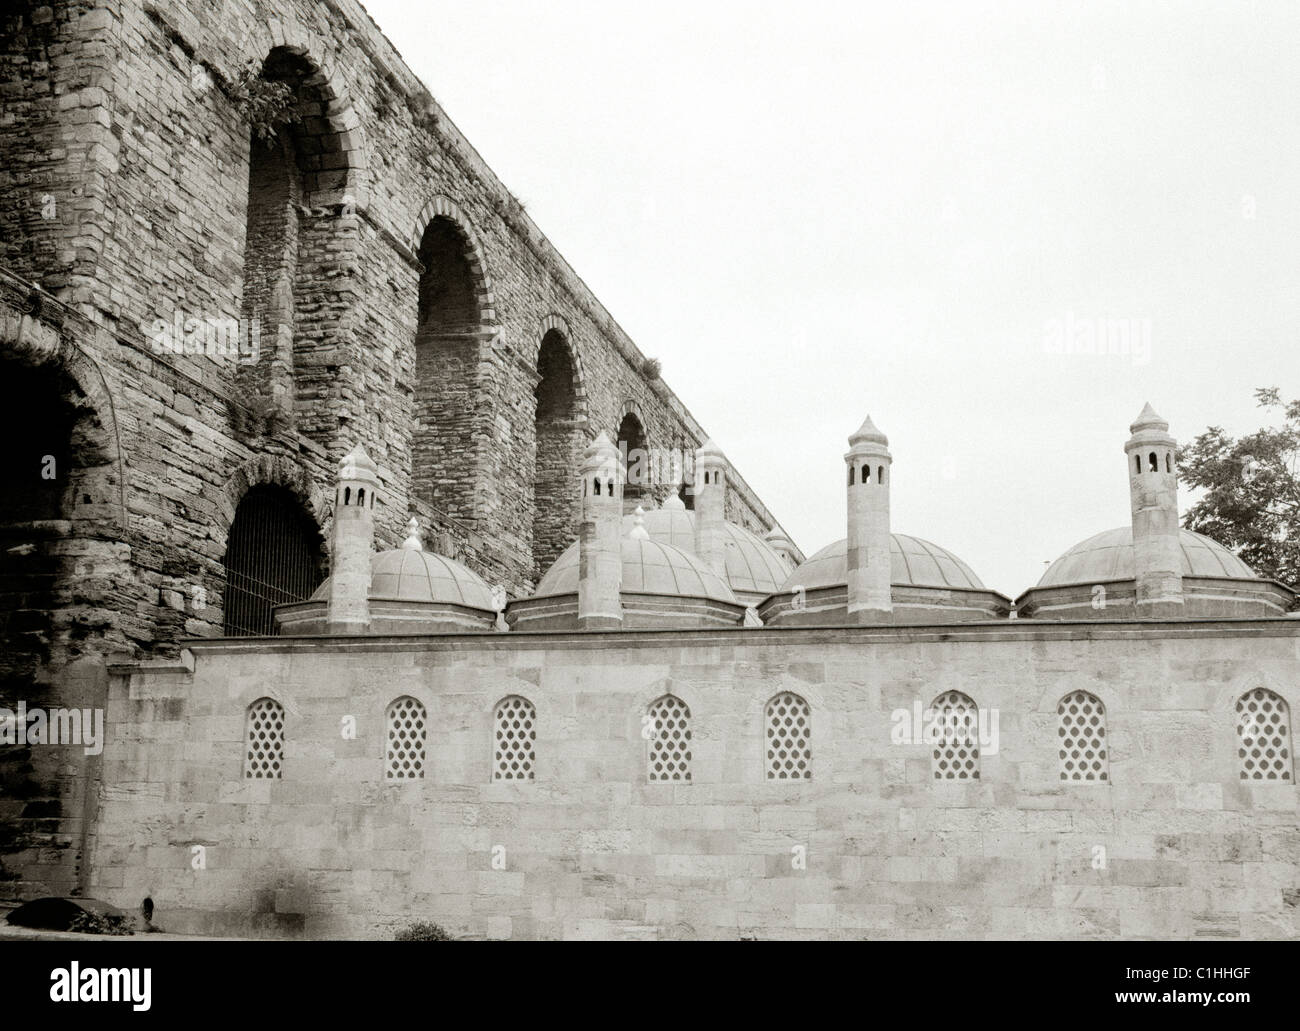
(1171, 843)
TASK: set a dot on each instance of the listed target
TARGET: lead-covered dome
(649, 567)
(411, 591)
(754, 568)
(913, 562)
(1096, 579)
(928, 584)
(1109, 556)
(662, 587)
(405, 574)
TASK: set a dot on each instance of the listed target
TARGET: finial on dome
(413, 542)
(638, 531)
(1148, 420)
(868, 431)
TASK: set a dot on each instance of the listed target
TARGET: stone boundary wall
(1174, 844)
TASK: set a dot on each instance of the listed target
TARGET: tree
(1252, 492)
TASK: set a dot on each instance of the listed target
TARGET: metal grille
(272, 558)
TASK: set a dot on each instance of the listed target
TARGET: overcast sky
(814, 211)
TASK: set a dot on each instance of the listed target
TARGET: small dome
(754, 567)
(1108, 556)
(913, 562)
(408, 574)
(649, 567)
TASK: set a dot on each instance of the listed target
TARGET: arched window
(447, 349)
(1169, 461)
(264, 752)
(789, 738)
(559, 439)
(636, 458)
(956, 748)
(670, 741)
(1153, 463)
(1081, 729)
(515, 739)
(880, 475)
(1137, 462)
(1264, 736)
(273, 556)
(404, 749)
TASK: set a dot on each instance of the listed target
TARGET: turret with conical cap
(352, 543)
(1153, 496)
(868, 559)
(600, 544)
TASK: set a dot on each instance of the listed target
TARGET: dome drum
(912, 605)
(1096, 580)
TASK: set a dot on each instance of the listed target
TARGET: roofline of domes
(896, 583)
(632, 594)
(1133, 580)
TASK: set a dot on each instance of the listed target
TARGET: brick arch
(444, 207)
(560, 325)
(342, 133)
(282, 471)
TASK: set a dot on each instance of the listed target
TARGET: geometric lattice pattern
(957, 751)
(516, 737)
(406, 733)
(1263, 736)
(670, 747)
(789, 738)
(265, 753)
(1081, 727)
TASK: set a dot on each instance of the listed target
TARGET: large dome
(406, 574)
(754, 568)
(649, 567)
(1108, 557)
(913, 562)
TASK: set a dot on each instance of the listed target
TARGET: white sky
(810, 212)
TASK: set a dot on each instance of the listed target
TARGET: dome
(1108, 556)
(754, 567)
(913, 562)
(649, 567)
(409, 575)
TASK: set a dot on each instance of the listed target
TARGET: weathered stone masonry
(1173, 843)
(125, 218)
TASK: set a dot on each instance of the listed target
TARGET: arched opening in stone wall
(65, 599)
(288, 247)
(273, 557)
(636, 461)
(447, 342)
(61, 495)
(559, 445)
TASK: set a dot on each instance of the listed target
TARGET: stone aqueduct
(387, 288)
